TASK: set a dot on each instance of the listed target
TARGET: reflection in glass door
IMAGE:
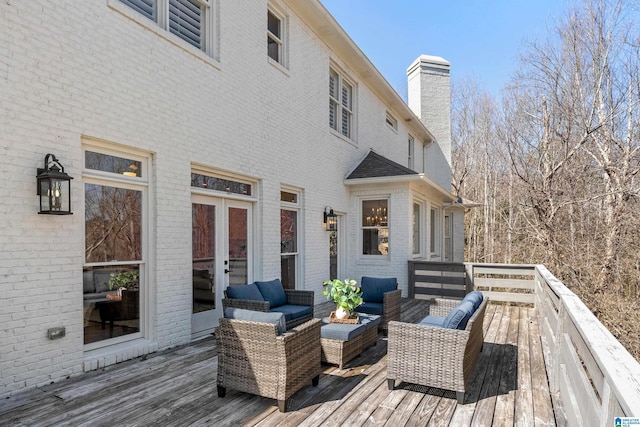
(221, 236)
(204, 257)
(237, 246)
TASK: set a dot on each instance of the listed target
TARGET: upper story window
(411, 153)
(391, 121)
(191, 20)
(341, 93)
(275, 37)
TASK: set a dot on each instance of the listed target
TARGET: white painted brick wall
(70, 70)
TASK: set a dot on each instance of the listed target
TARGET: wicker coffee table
(341, 342)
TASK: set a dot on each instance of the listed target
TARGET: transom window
(275, 37)
(220, 184)
(191, 20)
(340, 104)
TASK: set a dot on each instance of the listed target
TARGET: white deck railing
(595, 377)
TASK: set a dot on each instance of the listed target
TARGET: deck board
(177, 388)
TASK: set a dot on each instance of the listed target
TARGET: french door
(221, 255)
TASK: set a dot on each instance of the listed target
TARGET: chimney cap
(430, 62)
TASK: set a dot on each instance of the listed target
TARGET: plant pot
(341, 313)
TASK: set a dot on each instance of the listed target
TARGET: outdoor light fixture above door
(330, 219)
(54, 188)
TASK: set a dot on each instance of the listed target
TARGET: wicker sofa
(254, 358)
(382, 297)
(296, 305)
(436, 356)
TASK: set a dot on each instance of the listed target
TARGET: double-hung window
(276, 28)
(411, 153)
(289, 232)
(190, 20)
(375, 227)
(341, 94)
(114, 276)
(434, 232)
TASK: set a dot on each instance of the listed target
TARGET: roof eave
(403, 178)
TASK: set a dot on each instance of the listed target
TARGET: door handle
(226, 271)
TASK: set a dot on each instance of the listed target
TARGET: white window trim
(342, 77)
(439, 231)
(295, 207)
(210, 37)
(424, 158)
(283, 41)
(362, 227)
(411, 155)
(392, 122)
(92, 176)
(423, 227)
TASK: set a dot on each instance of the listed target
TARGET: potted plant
(123, 280)
(345, 294)
(126, 283)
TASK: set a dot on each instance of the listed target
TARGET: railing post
(412, 280)
(468, 281)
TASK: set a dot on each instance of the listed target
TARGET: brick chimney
(429, 95)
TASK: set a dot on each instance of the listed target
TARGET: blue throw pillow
(250, 292)
(257, 316)
(459, 316)
(273, 292)
(475, 297)
(374, 288)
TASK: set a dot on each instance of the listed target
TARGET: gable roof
(375, 166)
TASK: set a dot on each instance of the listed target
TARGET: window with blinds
(341, 94)
(187, 19)
(147, 8)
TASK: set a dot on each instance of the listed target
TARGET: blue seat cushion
(433, 321)
(341, 331)
(369, 320)
(374, 288)
(249, 292)
(273, 291)
(459, 316)
(371, 308)
(475, 297)
(277, 319)
(292, 311)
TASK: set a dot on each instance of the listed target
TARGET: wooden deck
(178, 388)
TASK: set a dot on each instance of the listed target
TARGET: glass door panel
(221, 256)
(238, 245)
(204, 257)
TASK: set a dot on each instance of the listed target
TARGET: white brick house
(201, 158)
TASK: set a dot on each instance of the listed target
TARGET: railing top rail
(502, 265)
(618, 366)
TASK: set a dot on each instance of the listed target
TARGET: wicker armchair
(252, 358)
(294, 297)
(434, 356)
(390, 299)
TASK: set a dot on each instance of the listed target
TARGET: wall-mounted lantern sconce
(330, 219)
(54, 188)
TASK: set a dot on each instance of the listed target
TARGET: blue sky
(481, 38)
